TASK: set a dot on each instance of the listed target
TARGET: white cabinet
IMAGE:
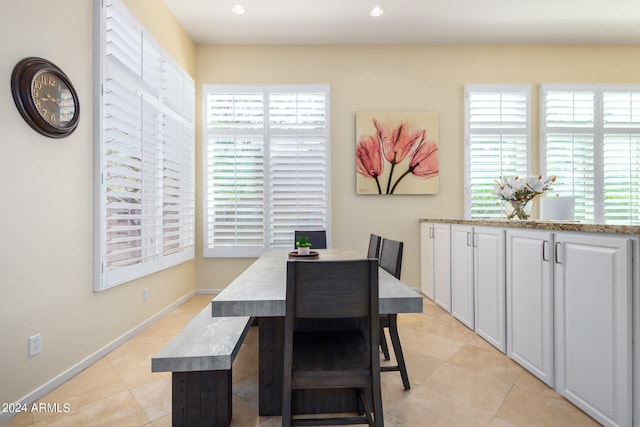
(529, 298)
(565, 305)
(426, 259)
(462, 300)
(489, 284)
(442, 265)
(593, 324)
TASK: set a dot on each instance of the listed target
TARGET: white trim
(208, 291)
(65, 376)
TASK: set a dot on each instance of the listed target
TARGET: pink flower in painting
(397, 142)
(369, 158)
(424, 162)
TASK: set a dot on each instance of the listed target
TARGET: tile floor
(457, 379)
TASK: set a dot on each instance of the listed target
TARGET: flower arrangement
(520, 191)
(395, 142)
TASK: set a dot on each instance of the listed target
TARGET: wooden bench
(200, 358)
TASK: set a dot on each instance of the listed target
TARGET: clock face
(45, 97)
(52, 98)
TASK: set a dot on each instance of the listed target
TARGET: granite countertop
(541, 225)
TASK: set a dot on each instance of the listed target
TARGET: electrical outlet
(34, 345)
(145, 294)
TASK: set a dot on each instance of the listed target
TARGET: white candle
(558, 208)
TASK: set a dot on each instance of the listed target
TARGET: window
(590, 139)
(497, 134)
(145, 156)
(266, 166)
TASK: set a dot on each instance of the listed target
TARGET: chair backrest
(332, 289)
(374, 246)
(391, 256)
(332, 320)
(317, 238)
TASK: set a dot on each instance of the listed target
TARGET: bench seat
(200, 357)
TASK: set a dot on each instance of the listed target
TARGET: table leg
(271, 369)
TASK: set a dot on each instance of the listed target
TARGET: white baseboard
(208, 291)
(56, 382)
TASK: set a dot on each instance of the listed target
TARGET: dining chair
(390, 259)
(317, 238)
(341, 353)
(374, 246)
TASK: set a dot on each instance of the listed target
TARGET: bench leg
(201, 398)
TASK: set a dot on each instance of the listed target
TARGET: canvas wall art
(397, 153)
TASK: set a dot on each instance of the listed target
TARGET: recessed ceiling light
(238, 9)
(376, 11)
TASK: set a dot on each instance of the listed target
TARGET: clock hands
(52, 99)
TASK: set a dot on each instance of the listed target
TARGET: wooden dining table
(260, 292)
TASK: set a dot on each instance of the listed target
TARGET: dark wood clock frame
(22, 90)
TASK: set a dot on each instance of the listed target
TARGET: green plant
(303, 242)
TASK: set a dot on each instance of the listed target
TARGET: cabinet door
(593, 325)
(530, 301)
(442, 265)
(426, 259)
(489, 285)
(462, 300)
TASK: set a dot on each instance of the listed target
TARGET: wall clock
(45, 97)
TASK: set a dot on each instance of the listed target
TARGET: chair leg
(376, 397)
(383, 344)
(397, 349)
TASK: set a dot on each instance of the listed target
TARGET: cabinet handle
(557, 252)
(545, 245)
(469, 239)
(474, 240)
(431, 229)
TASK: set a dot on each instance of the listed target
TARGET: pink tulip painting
(397, 153)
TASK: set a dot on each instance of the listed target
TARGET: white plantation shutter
(589, 140)
(621, 158)
(146, 207)
(568, 144)
(267, 170)
(497, 142)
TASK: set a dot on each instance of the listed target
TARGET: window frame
(495, 89)
(171, 171)
(237, 251)
(599, 130)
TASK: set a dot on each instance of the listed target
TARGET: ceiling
(330, 22)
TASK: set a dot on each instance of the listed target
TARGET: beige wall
(399, 78)
(46, 215)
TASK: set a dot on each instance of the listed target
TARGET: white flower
(521, 189)
(507, 193)
(536, 184)
(518, 183)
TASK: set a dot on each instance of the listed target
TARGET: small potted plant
(303, 245)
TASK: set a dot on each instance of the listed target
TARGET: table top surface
(260, 290)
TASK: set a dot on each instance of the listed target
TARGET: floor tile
(120, 409)
(95, 383)
(526, 406)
